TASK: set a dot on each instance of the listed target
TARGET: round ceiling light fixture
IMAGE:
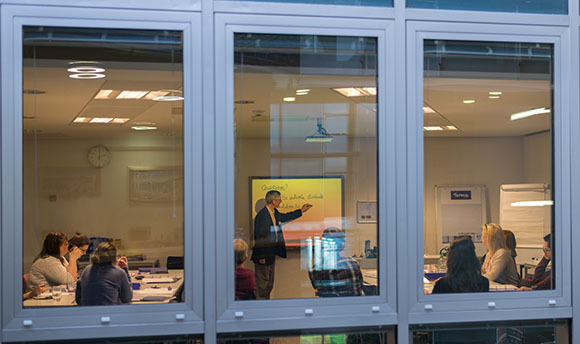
(172, 96)
(87, 69)
(87, 76)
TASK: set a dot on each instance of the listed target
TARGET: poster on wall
(324, 193)
(460, 211)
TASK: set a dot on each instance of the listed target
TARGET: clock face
(99, 156)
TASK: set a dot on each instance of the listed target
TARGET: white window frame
(268, 315)
(493, 306)
(126, 320)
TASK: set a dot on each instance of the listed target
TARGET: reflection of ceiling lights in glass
(494, 97)
(289, 99)
(532, 203)
(88, 69)
(155, 94)
(528, 113)
(468, 101)
(302, 92)
(87, 76)
(495, 93)
(103, 94)
(356, 91)
(166, 95)
(82, 120)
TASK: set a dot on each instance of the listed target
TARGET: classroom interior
(136, 198)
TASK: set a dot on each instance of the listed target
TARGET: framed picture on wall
(158, 184)
(366, 212)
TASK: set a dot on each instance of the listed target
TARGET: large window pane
(529, 6)
(488, 137)
(306, 166)
(102, 166)
(384, 335)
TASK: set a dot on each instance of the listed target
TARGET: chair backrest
(175, 262)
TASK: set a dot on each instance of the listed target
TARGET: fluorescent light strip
(167, 98)
(533, 112)
(495, 93)
(143, 127)
(103, 94)
(155, 94)
(289, 99)
(532, 203)
(468, 101)
(427, 109)
(87, 76)
(433, 128)
(87, 69)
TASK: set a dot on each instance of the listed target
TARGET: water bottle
(442, 265)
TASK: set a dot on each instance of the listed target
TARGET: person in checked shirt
(336, 275)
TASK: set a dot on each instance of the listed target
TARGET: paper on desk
(425, 281)
(43, 296)
(158, 280)
(153, 291)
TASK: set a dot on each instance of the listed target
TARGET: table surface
(149, 287)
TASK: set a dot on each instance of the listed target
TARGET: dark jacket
(265, 244)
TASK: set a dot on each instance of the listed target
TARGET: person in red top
(543, 278)
(245, 280)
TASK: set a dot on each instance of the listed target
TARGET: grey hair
(272, 195)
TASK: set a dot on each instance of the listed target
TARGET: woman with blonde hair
(498, 265)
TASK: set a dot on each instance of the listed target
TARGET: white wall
(482, 160)
(154, 229)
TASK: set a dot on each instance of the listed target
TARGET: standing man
(269, 241)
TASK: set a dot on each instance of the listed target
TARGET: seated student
(103, 282)
(463, 270)
(543, 277)
(50, 267)
(245, 279)
(79, 240)
(498, 265)
(341, 279)
(511, 243)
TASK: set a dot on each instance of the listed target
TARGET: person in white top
(498, 265)
(50, 267)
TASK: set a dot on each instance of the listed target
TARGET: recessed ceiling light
(101, 120)
(356, 91)
(131, 94)
(82, 119)
(289, 99)
(155, 94)
(86, 69)
(495, 93)
(87, 76)
(450, 127)
(103, 94)
(533, 112)
(301, 93)
(120, 120)
(432, 128)
(494, 97)
(427, 109)
(468, 101)
(303, 90)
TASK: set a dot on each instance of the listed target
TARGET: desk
(493, 286)
(150, 288)
(370, 281)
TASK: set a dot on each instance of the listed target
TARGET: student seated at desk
(50, 267)
(342, 276)
(103, 282)
(463, 270)
(542, 276)
(245, 279)
(498, 265)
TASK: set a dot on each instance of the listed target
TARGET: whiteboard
(529, 224)
(459, 210)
